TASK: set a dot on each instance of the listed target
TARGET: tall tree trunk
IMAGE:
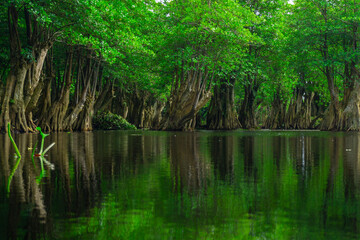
(333, 114)
(222, 114)
(24, 75)
(190, 92)
(298, 115)
(53, 121)
(350, 119)
(277, 114)
(156, 117)
(247, 116)
(120, 104)
(105, 98)
(45, 100)
(79, 117)
(13, 98)
(137, 102)
(84, 120)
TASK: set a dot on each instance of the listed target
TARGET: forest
(180, 64)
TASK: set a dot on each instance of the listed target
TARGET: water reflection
(189, 169)
(222, 154)
(136, 185)
(25, 194)
(85, 179)
(351, 153)
(246, 144)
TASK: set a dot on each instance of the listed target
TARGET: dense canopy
(180, 64)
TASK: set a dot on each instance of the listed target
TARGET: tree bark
(105, 98)
(191, 90)
(350, 119)
(13, 97)
(137, 102)
(156, 117)
(298, 115)
(80, 116)
(247, 116)
(333, 114)
(120, 104)
(53, 121)
(222, 114)
(277, 114)
(84, 120)
(25, 72)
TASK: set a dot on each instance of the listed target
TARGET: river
(183, 185)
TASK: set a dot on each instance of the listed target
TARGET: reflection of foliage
(111, 121)
(278, 188)
(272, 195)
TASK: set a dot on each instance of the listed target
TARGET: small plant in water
(41, 155)
(18, 156)
(13, 142)
(43, 136)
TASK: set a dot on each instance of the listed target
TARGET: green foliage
(207, 37)
(323, 38)
(272, 47)
(111, 121)
(27, 54)
(263, 190)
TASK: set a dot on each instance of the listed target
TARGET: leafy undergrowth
(111, 121)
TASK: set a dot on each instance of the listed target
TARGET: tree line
(180, 64)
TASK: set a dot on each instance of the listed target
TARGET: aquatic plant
(13, 142)
(18, 155)
(43, 136)
(41, 155)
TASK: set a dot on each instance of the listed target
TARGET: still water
(174, 185)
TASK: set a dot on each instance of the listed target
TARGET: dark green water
(166, 185)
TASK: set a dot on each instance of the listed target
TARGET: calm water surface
(173, 185)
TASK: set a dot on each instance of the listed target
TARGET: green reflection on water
(203, 185)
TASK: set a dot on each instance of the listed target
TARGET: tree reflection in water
(127, 185)
(25, 194)
(222, 156)
(188, 166)
(29, 198)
